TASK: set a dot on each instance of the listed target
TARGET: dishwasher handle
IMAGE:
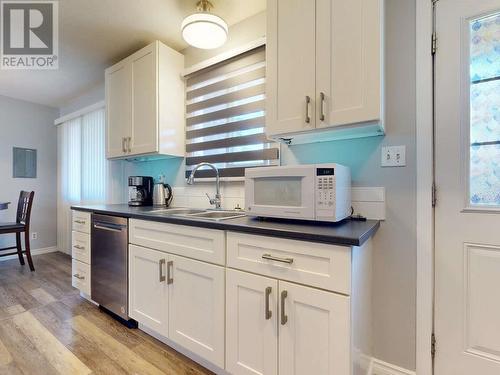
(109, 226)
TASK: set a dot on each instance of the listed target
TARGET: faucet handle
(212, 200)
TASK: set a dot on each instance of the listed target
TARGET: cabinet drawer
(192, 242)
(81, 221)
(80, 246)
(80, 276)
(320, 265)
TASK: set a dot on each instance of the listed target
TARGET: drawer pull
(277, 259)
(78, 247)
(170, 279)
(79, 277)
(161, 263)
(80, 221)
(268, 313)
(284, 317)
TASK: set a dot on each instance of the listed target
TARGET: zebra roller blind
(225, 117)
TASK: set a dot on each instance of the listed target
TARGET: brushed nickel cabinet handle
(78, 247)
(322, 106)
(268, 313)
(79, 277)
(129, 142)
(80, 221)
(308, 101)
(170, 266)
(284, 317)
(124, 147)
(277, 259)
(161, 263)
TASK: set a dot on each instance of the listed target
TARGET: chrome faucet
(217, 200)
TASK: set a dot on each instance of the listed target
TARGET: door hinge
(433, 345)
(434, 43)
(434, 194)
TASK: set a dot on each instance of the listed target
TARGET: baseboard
(379, 367)
(43, 250)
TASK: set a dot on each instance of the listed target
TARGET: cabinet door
(290, 60)
(118, 109)
(144, 100)
(251, 324)
(314, 331)
(196, 310)
(348, 64)
(148, 292)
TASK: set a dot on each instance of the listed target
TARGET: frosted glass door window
(484, 183)
(278, 191)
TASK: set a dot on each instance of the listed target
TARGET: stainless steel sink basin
(196, 213)
(218, 215)
(177, 211)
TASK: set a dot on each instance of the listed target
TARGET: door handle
(124, 148)
(322, 106)
(268, 313)
(308, 101)
(161, 263)
(170, 266)
(80, 221)
(277, 259)
(129, 142)
(284, 317)
(79, 277)
(78, 247)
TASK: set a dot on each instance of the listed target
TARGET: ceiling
(94, 34)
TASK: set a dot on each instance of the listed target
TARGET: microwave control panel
(325, 188)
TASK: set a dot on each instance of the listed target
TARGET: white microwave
(320, 192)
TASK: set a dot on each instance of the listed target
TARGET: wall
(394, 276)
(29, 125)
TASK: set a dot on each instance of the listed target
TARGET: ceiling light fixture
(203, 29)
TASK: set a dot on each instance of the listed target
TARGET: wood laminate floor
(47, 328)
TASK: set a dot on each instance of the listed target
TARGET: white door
(348, 64)
(314, 331)
(196, 313)
(467, 224)
(290, 71)
(144, 98)
(118, 109)
(148, 290)
(251, 324)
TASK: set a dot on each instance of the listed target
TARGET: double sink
(192, 213)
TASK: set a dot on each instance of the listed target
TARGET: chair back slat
(24, 207)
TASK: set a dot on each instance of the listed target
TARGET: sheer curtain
(82, 169)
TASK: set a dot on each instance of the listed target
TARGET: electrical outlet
(34, 235)
(393, 156)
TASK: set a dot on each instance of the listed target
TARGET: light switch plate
(393, 156)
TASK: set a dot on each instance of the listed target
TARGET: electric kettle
(162, 194)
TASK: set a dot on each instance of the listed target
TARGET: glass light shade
(204, 30)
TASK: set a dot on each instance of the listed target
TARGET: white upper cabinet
(145, 104)
(290, 59)
(329, 54)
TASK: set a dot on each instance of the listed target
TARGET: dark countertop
(347, 232)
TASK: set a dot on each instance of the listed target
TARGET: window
(484, 183)
(225, 117)
(82, 169)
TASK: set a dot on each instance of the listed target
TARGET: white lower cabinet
(196, 310)
(314, 331)
(148, 292)
(179, 298)
(311, 326)
(251, 324)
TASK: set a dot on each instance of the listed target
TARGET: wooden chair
(22, 225)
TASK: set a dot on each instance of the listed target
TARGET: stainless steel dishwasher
(109, 265)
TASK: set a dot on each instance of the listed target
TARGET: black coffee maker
(140, 191)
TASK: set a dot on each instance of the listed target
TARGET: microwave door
(284, 194)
